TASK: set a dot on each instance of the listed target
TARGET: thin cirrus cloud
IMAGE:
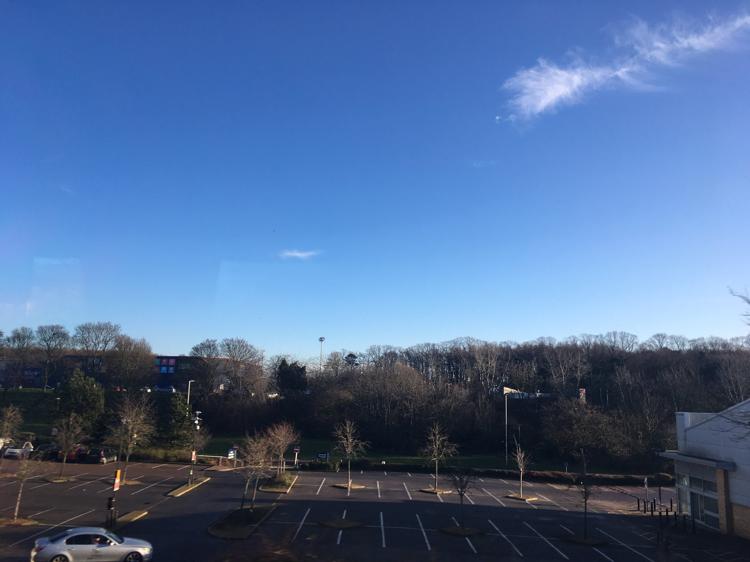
(299, 254)
(547, 86)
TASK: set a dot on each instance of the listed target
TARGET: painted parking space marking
(593, 547)
(499, 532)
(552, 501)
(440, 497)
(184, 467)
(409, 473)
(490, 494)
(40, 486)
(301, 523)
(321, 485)
(341, 531)
(382, 530)
(408, 493)
(618, 541)
(468, 541)
(424, 535)
(48, 529)
(40, 512)
(159, 465)
(541, 536)
(150, 486)
(468, 497)
(378, 484)
(89, 482)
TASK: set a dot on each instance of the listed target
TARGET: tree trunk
(521, 473)
(244, 493)
(436, 477)
(125, 470)
(18, 499)
(349, 471)
(255, 491)
(64, 460)
(585, 518)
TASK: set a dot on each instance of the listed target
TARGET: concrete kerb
(130, 517)
(185, 488)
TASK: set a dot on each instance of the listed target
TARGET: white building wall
(721, 438)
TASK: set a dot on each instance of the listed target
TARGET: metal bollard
(652, 510)
(638, 504)
(671, 507)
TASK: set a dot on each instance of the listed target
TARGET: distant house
(712, 468)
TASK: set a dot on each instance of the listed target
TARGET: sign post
(296, 456)
(111, 505)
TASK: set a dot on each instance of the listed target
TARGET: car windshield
(117, 538)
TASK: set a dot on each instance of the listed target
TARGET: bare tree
(134, 425)
(281, 436)
(69, 433)
(462, 481)
(53, 339)
(522, 462)
(438, 449)
(26, 469)
(734, 374)
(256, 453)
(244, 364)
(130, 360)
(350, 445)
(10, 422)
(21, 345)
(207, 364)
(94, 340)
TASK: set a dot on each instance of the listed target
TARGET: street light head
(321, 339)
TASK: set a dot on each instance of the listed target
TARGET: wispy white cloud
(546, 86)
(299, 254)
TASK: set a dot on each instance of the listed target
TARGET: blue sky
(382, 173)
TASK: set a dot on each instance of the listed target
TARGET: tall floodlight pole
(191, 381)
(321, 339)
(506, 428)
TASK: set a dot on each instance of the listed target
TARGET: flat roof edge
(702, 461)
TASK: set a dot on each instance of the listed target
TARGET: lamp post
(191, 381)
(321, 339)
(196, 428)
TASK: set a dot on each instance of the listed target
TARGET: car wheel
(59, 558)
(133, 557)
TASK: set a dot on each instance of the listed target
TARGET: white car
(19, 453)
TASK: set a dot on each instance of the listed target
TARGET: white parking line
(378, 483)
(541, 536)
(409, 473)
(40, 486)
(382, 530)
(299, 528)
(341, 531)
(554, 502)
(481, 480)
(490, 494)
(440, 497)
(40, 512)
(184, 467)
(554, 487)
(321, 485)
(421, 528)
(471, 546)
(468, 497)
(159, 465)
(593, 547)
(52, 527)
(89, 482)
(408, 493)
(504, 481)
(618, 541)
(150, 486)
(506, 538)
(384, 472)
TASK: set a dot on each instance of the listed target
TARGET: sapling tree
(69, 433)
(350, 445)
(522, 462)
(281, 436)
(438, 449)
(26, 469)
(256, 454)
(462, 481)
(134, 425)
(10, 422)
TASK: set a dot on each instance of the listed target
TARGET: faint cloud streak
(546, 86)
(299, 254)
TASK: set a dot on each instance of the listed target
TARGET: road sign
(116, 485)
(232, 453)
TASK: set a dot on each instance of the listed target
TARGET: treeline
(610, 394)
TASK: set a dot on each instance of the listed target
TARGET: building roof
(703, 461)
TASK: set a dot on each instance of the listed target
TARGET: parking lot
(398, 521)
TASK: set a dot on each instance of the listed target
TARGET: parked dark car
(76, 454)
(48, 452)
(101, 455)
